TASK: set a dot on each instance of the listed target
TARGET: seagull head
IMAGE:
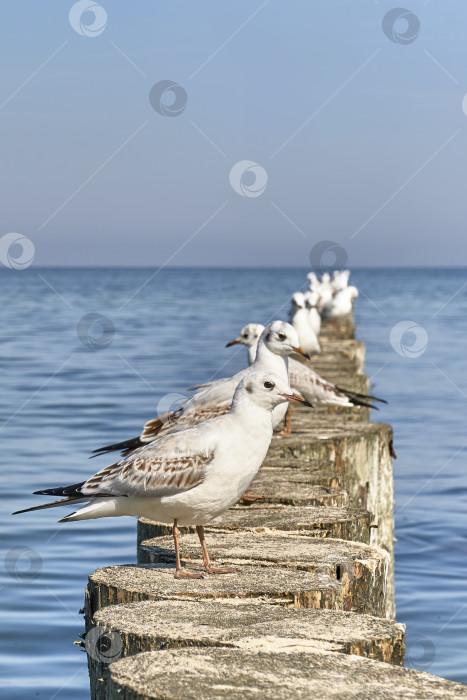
(249, 335)
(267, 390)
(311, 299)
(282, 339)
(298, 300)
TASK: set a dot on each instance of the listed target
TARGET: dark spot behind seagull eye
(282, 336)
(268, 385)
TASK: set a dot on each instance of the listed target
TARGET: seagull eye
(244, 335)
(268, 385)
(281, 336)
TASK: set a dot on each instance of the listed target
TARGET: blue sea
(88, 354)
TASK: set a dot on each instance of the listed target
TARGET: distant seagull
(314, 317)
(249, 336)
(302, 378)
(299, 317)
(277, 342)
(190, 477)
(341, 303)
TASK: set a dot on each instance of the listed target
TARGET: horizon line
(236, 267)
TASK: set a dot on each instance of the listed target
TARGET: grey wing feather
(313, 387)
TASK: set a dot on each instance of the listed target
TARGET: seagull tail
(98, 508)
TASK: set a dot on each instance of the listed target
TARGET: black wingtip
(125, 447)
(360, 399)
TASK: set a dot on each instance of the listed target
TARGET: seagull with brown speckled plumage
(191, 476)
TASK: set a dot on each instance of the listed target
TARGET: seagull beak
(296, 398)
(233, 342)
(300, 351)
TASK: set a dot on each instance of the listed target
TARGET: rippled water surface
(62, 396)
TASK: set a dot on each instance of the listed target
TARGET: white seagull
(277, 342)
(299, 317)
(311, 386)
(190, 477)
(314, 318)
(341, 303)
(249, 336)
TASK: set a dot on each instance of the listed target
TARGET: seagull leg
(287, 429)
(206, 560)
(179, 572)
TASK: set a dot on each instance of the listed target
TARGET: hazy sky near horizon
(289, 124)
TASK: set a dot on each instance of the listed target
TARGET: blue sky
(360, 140)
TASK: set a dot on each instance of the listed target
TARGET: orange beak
(300, 351)
(296, 398)
(233, 342)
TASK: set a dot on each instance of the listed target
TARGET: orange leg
(248, 498)
(179, 572)
(206, 560)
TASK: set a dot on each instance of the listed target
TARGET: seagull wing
(169, 465)
(313, 387)
(172, 464)
(211, 401)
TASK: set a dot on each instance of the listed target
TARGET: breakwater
(311, 609)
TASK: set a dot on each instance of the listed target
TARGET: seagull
(314, 318)
(299, 318)
(340, 280)
(190, 477)
(305, 380)
(249, 336)
(277, 342)
(340, 304)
